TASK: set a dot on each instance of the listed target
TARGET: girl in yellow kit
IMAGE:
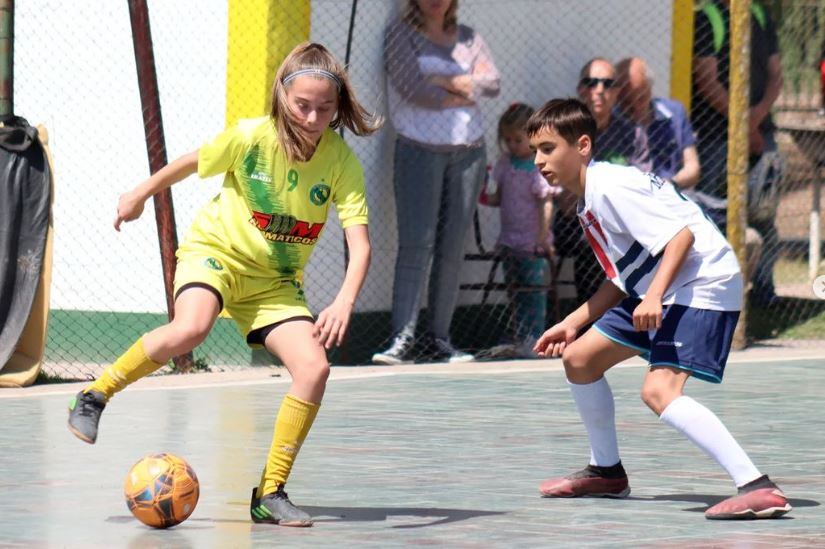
(247, 247)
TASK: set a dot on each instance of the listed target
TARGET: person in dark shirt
(711, 78)
(662, 126)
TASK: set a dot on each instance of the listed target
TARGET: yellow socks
(291, 428)
(130, 367)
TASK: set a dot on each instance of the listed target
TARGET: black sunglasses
(590, 82)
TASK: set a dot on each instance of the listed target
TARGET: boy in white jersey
(672, 294)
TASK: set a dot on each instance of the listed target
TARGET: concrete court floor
(417, 455)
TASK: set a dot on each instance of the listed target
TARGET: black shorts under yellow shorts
(252, 302)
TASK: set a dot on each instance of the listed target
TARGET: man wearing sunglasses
(615, 143)
(615, 134)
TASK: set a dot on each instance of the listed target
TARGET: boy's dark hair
(569, 117)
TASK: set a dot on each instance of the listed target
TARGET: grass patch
(790, 271)
(198, 365)
(789, 318)
(794, 270)
(45, 378)
(813, 328)
(101, 336)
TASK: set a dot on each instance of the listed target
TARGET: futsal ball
(161, 490)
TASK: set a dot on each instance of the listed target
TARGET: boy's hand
(333, 322)
(648, 315)
(129, 207)
(553, 342)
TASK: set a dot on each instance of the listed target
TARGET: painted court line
(345, 373)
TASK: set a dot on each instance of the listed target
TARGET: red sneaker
(592, 481)
(755, 500)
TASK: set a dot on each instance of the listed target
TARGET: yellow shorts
(253, 302)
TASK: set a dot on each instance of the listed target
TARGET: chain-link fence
(800, 119)
(449, 267)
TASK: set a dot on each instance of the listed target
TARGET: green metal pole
(6, 57)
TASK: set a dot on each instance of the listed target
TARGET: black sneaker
(399, 352)
(442, 349)
(84, 414)
(275, 508)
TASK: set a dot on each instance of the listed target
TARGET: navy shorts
(696, 340)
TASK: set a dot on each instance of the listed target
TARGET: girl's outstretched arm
(333, 322)
(130, 205)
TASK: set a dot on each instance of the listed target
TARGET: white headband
(316, 72)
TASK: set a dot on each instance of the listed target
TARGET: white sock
(595, 404)
(707, 432)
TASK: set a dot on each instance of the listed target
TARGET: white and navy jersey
(629, 217)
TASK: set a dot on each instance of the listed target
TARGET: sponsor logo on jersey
(213, 264)
(656, 180)
(256, 166)
(319, 194)
(261, 176)
(286, 228)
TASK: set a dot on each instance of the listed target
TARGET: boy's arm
(333, 321)
(130, 205)
(553, 341)
(648, 314)
(606, 297)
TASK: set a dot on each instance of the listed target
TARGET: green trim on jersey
(257, 168)
(717, 22)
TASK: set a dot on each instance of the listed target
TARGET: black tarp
(24, 222)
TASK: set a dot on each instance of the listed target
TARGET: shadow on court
(414, 517)
(711, 500)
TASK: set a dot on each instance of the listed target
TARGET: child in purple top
(526, 207)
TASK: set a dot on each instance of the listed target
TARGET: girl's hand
(129, 207)
(332, 323)
(553, 342)
(648, 315)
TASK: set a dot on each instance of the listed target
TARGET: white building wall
(75, 73)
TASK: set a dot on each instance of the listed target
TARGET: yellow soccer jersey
(270, 214)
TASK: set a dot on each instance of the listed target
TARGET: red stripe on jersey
(595, 223)
(607, 266)
(600, 255)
